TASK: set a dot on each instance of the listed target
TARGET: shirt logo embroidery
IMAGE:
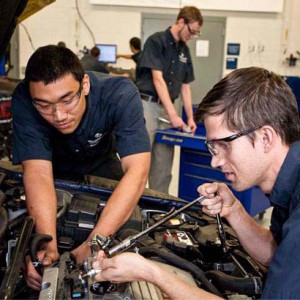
(93, 143)
(182, 58)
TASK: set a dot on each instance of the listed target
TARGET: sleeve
(279, 217)
(130, 130)
(189, 75)
(283, 274)
(31, 135)
(153, 54)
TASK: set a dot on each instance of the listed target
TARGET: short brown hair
(190, 14)
(251, 97)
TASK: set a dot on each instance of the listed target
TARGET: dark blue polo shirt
(114, 115)
(284, 272)
(161, 52)
(137, 57)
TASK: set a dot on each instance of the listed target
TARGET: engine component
(188, 242)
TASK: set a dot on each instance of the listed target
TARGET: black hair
(135, 42)
(49, 63)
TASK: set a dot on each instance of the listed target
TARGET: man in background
(166, 72)
(135, 47)
(90, 61)
(61, 44)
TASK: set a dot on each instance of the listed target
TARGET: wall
(232, 5)
(60, 22)
(266, 39)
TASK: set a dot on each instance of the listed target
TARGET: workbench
(195, 169)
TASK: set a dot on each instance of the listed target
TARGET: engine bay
(185, 241)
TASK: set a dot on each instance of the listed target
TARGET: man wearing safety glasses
(68, 124)
(253, 131)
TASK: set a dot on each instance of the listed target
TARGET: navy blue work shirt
(284, 271)
(114, 115)
(137, 57)
(163, 53)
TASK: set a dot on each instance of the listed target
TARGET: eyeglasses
(216, 146)
(193, 32)
(65, 105)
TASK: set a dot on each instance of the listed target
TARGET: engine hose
(183, 264)
(35, 243)
(3, 222)
(12, 274)
(245, 286)
(149, 247)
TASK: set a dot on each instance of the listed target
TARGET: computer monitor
(108, 53)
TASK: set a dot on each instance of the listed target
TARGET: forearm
(186, 94)
(133, 267)
(257, 240)
(126, 56)
(173, 286)
(41, 202)
(124, 199)
(163, 94)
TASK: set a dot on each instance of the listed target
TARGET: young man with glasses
(253, 132)
(166, 71)
(67, 124)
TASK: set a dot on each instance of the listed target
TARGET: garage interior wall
(266, 39)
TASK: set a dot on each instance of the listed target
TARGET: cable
(28, 35)
(84, 22)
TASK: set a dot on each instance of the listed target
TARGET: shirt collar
(170, 38)
(287, 178)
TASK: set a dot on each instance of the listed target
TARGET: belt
(149, 98)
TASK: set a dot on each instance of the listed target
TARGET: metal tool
(164, 120)
(128, 242)
(221, 232)
(132, 239)
(90, 273)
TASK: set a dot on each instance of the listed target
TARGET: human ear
(86, 84)
(181, 22)
(269, 137)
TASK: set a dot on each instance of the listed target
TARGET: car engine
(179, 238)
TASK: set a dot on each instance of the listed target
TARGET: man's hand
(33, 278)
(192, 125)
(178, 123)
(220, 198)
(82, 252)
(121, 268)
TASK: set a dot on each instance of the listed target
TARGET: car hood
(13, 12)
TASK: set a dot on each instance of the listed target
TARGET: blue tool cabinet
(195, 169)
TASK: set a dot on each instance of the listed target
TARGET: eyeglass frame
(53, 105)
(192, 32)
(228, 139)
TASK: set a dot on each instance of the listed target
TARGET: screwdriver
(221, 233)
